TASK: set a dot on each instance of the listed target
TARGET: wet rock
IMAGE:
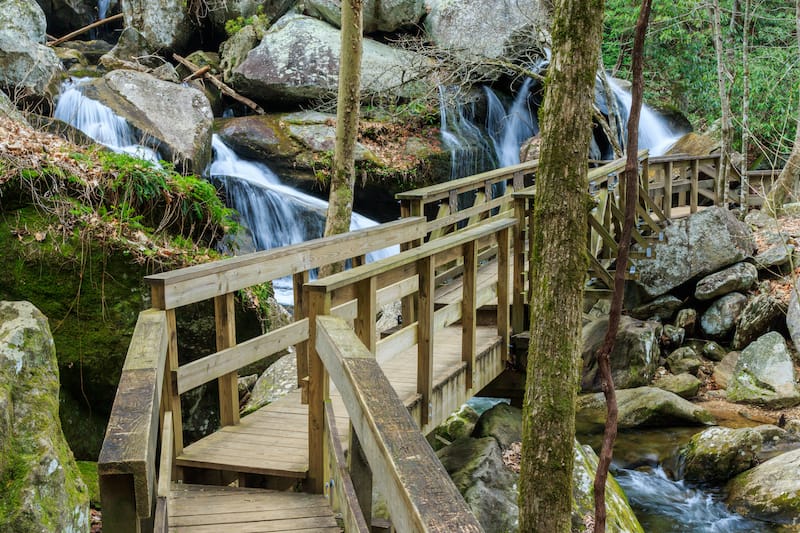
(713, 351)
(165, 24)
(385, 16)
(761, 313)
(683, 360)
(131, 51)
(723, 372)
(738, 277)
(684, 385)
(457, 426)
(718, 454)
(502, 422)
(42, 489)
(634, 359)
(764, 374)
(663, 307)
(92, 50)
(298, 60)
(176, 119)
(686, 319)
(770, 491)
(721, 317)
(698, 245)
(642, 407)
(774, 256)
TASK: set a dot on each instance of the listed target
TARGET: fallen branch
(91, 26)
(226, 90)
(194, 75)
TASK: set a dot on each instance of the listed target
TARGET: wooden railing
(693, 179)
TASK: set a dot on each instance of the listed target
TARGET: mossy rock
(770, 491)
(718, 454)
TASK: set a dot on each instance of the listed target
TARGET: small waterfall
(654, 133)
(509, 128)
(99, 122)
(102, 8)
(470, 152)
(663, 505)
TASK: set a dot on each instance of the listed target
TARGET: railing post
(361, 474)
(695, 184)
(668, 189)
(427, 277)
(365, 318)
(171, 390)
(410, 208)
(224, 314)
(468, 309)
(518, 303)
(319, 303)
(300, 312)
(503, 271)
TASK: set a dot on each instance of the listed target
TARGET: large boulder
(456, 426)
(165, 24)
(175, 119)
(764, 374)
(718, 454)
(762, 312)
(247, 10)
(641, 407)
(634, 359)
(684, 385)
(770, 491)
(41, 487)
(620, 517)
(502, 422)
(261, 137)
(484, 28)
(738, 277)
(700, 244)
(298, 60)
(720, 319)
(385, 16)
(27, 67)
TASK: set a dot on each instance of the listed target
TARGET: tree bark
(558, 269)
(631, 184)
(786, 184)
(723, 79)
(340, 202)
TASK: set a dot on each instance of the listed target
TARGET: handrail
(202, 282)
(126, 465)
(418, 491)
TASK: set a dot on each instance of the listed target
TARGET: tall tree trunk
(786, 184)
(724, 78)
(743, 182)
(558, 269)
(340, 202)
(631, 180)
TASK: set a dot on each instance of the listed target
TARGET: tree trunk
(723, 79)
(786, 184)
(340, 202)
(558, 269)
(743, 183)
(631, 184)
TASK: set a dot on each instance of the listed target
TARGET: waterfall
(509, 128)
(102, 8)
(470, 152)
(99, 122)
(654, 133)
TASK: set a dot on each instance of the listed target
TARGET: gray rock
(721, 317)
(132, 51)
(717, 454)
(25, 18)
(385, 16)
(488, 486)
(761, 313)
(9, 110)
(275, 382)
(774, 256)
(164, 24)
(233, 9)
(738, 277)
(457, 426)
(770, 491)
(698, 245)
(672, 336)
(634, 359)
(764, 374)
(662, 307)
(759, 219)
(686, 319)
(42, 490)
(92, 50)
(175, 118)
(683, 360)
(322, 138)
(723, 372)
(27, 68)
(259, 136)
(684, 385)
(641, 407)
(713, 351)
(298, 60)
(234, 51)
(502, 422)
(793, 318)
(466, 27)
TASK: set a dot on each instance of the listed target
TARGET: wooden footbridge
(364, 401)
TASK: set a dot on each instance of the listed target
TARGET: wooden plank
(201, 282)
(469, 309)
(165, 464)
(470, 213)
(425, 334)
(299, 311)
(668, 189)
(225, 319)
(319, 305)
(518, 287)
(129, 447)
(202, 370)
(367, 309)
(397, 342)
(695, 185)
(418, 491)
(503, 286)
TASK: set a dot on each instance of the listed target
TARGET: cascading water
(469, 151)
(509, 128)
(99, 122)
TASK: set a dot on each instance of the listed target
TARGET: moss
(88, 471)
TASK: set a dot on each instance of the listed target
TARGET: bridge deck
(273, 441)
(210, 509)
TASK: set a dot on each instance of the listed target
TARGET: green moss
(88, 471)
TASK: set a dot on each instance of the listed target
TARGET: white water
(509, 127)
(664, 505)
(469, 151)
(102, 8)
(99, 122)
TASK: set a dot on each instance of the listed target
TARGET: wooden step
(210, 509)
